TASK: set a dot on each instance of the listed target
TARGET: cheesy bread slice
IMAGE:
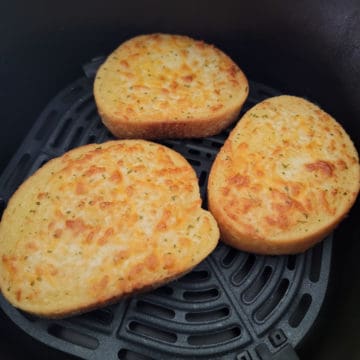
(99, 223)
(168, 86)
(284, 179)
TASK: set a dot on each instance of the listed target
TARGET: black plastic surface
(229, 307)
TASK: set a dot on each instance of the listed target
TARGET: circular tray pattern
(234, 305)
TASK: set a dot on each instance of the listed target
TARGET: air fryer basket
(306, 48)
(234, 305)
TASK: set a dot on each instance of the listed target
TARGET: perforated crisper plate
(234, 305)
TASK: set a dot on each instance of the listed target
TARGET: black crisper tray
(234, 305)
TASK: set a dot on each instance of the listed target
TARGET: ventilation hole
(255, 288)
(316, 258)
(92, 114)
(194, 162)
(229, 258)
(155, 310)
(2, 206)
(101, 316)
(195, 276)
(84, 105)
(152, 332)
(193, 151)
(125, 354)
(274, 300)
(168, 144)
(20, 170)
(62, 133)
(218, 139)
(216, 145)
(91, 139)
(208, 155)
(109, 135)
(244, 356)
(204, 316)
(291, 262)
(245, 269)
(197, 141)
(72, 94)
(300, 311)
(75, 138)
(99, 125)
(73, 336)
(216, 338)
(47, 125)
(201, 295)
(202, 178)
(277, 337)
(28, 316)
(163, 291)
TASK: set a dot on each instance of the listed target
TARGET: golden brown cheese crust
(285, 177)
(160, 85)
(101, 222)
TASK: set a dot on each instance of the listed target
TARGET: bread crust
(195, 128)
(200, 92)
(281, 192)
(102, 222)
(65, 313)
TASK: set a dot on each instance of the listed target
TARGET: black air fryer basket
(234, 305)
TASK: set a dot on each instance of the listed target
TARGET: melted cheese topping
(287, 171)
(164, 77)
(99, 222)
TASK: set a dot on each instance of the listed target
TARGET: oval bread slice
(101, 222)
(168, 86)
(285, 177)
